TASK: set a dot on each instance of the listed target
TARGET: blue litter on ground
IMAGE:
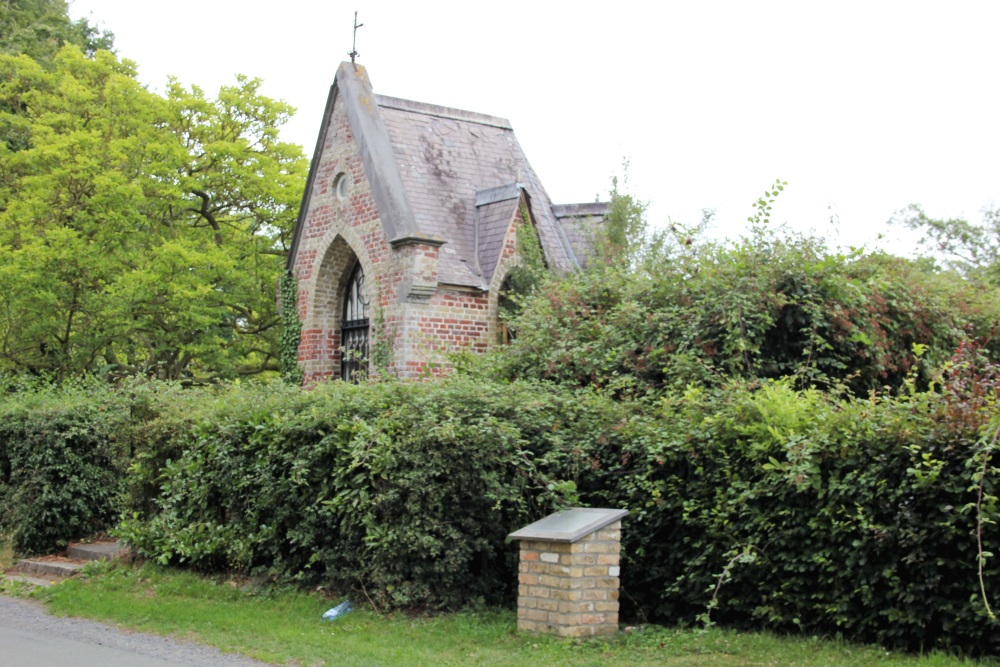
(338, 611)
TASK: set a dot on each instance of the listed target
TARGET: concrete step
(34, 581)
(48, 566)
(44, 570)
(95, 550)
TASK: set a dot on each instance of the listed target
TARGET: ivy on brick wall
(529, 246)
(382, 338)
(527, 275)
(291, 330)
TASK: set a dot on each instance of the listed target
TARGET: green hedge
(818, 513)
(858, 516)
(408, 490)
(63, 456)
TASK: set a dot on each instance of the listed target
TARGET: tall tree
(970, 248)
(140, 234)
(39, 28)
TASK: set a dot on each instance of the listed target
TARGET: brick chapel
(408, 229)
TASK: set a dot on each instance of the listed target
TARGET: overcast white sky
(863, 107)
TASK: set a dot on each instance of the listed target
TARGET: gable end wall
(335, 234)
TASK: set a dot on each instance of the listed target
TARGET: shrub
(819, 513)
(406, 489)
(63, 455)
(763, 308)
(858, 515)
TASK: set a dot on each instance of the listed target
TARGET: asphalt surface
(29, 637)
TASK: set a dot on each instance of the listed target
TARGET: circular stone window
(340, 185)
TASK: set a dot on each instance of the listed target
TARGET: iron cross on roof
(354, 42)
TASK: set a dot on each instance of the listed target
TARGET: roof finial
(354, 43)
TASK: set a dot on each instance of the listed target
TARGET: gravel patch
(28, 615)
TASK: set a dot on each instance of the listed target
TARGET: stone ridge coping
(569, 525)
(442, 112)
(597, 208)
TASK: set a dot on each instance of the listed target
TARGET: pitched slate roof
(580, 222)
(427, 164)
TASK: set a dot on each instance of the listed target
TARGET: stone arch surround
(319, 350)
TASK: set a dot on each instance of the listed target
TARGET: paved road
(29, 637)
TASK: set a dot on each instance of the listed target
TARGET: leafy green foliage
(820, 464)
(406, 489)
(139, 234)
(762, 207)
(768, 306)
(762, 504)
(859, 514)
(39, 28)
(63, 455)
(625, 232)
(524, 278)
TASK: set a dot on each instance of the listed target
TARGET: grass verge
(283, 626)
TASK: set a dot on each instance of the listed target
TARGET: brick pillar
(570, 589)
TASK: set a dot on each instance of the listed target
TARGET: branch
(206, 212)
(257, 370)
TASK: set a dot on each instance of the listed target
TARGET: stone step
(95, 550)
(34, 581)
(56, 566)
(44, 570)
